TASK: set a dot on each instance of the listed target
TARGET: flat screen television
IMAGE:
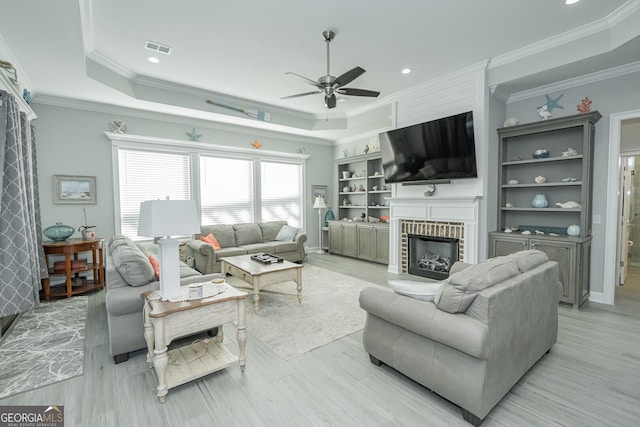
(436, 151)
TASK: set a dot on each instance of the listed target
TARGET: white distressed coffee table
(259, 275)
(165, 321)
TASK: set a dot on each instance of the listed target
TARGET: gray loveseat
(490, 322)
(129, 273)
(246, 238)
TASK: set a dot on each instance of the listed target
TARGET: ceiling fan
(330, 85)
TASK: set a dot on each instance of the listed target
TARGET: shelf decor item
(58, 232)
(573, 230)
(540, 153)
(540, 201)
(329, 216)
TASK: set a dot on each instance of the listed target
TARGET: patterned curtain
(21, 255)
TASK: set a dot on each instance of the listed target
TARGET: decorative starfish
(193, 136)
(256, 144)
(552, 103)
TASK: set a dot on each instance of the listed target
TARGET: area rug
(44, 346)
(329, 310)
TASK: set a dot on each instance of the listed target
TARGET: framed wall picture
(319, 190)
(70, 189)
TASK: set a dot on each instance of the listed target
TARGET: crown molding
(604, 24)
(108, 63)
(214, 123)
(575, 82)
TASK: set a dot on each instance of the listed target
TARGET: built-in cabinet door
(583, 281)
(349, 240)
(564, 253)
(382, 245)
(335, 238)
(366, 242)
(504, 245)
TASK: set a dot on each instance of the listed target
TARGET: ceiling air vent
(157, 47)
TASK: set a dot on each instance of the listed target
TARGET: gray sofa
(489, 324)
(242, 239)
(128, 274)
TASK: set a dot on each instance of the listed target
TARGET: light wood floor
(591, 377)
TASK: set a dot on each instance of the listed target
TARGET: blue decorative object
(26, 95)
(540, 201)
(58, 232)
(193, 136)
(552, 103)
(329, 216)
(541, 153)
(573, 230)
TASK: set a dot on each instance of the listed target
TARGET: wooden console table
(68, 248)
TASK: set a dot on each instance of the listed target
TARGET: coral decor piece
(256, 144)
(584, 106)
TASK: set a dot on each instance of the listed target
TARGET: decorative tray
(267, 258)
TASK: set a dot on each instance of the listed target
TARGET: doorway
(624, 144)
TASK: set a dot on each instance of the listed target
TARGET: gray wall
(614, 95)
(71, 141)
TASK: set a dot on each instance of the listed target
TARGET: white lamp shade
(319, 203)
(160, 218)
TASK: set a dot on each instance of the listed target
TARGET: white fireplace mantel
(462, 209)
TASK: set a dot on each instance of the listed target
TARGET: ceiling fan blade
(357, 92)
(301, 94)
(330, 101)
(348, 77)
(308, 80)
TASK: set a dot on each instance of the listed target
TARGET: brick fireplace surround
(454, 217)
(453, 230)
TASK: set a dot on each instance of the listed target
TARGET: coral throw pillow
(156, 266)
(211, 239)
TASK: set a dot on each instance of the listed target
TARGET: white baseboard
(597, 297)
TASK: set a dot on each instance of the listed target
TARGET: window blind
(281, 192)
(226, 190)
(149, 175)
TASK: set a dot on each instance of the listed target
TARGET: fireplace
(431, 256)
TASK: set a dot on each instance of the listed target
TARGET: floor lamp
(165, 218)
(319, 204)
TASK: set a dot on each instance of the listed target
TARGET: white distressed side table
(165, 321)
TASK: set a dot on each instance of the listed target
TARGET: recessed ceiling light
(406, 71)
(153, 59)
(571, 1)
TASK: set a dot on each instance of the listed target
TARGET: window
(226, 190)
(281, 192)
(230, 184)
(149, 175)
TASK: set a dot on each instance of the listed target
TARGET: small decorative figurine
(513, 182)
(193, 136)
(526, 232)
(568, 179)
(512, 121)
(570, 152)
(539, 232)
(544, 113)
(256, 144)
(540, 153)
(552, 103)
(345, 152)
(117, 126)
(366, 148)
(518, 158)
(540, 179)
(569, 205)
(508, 205)
(584, 106)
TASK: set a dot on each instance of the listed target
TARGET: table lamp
(319, 204)
(165, 218)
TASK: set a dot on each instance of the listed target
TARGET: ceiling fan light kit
(330, 85)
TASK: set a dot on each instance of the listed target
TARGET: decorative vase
(540, 201)
(58, 232)
(540, 153)
(346, 189)
(573, 230)
(329, 216)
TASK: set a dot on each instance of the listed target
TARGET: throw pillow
(211, 239)
(132, 264)
(419, 290)
(286, 234)
(460, 289)
(156, 266)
